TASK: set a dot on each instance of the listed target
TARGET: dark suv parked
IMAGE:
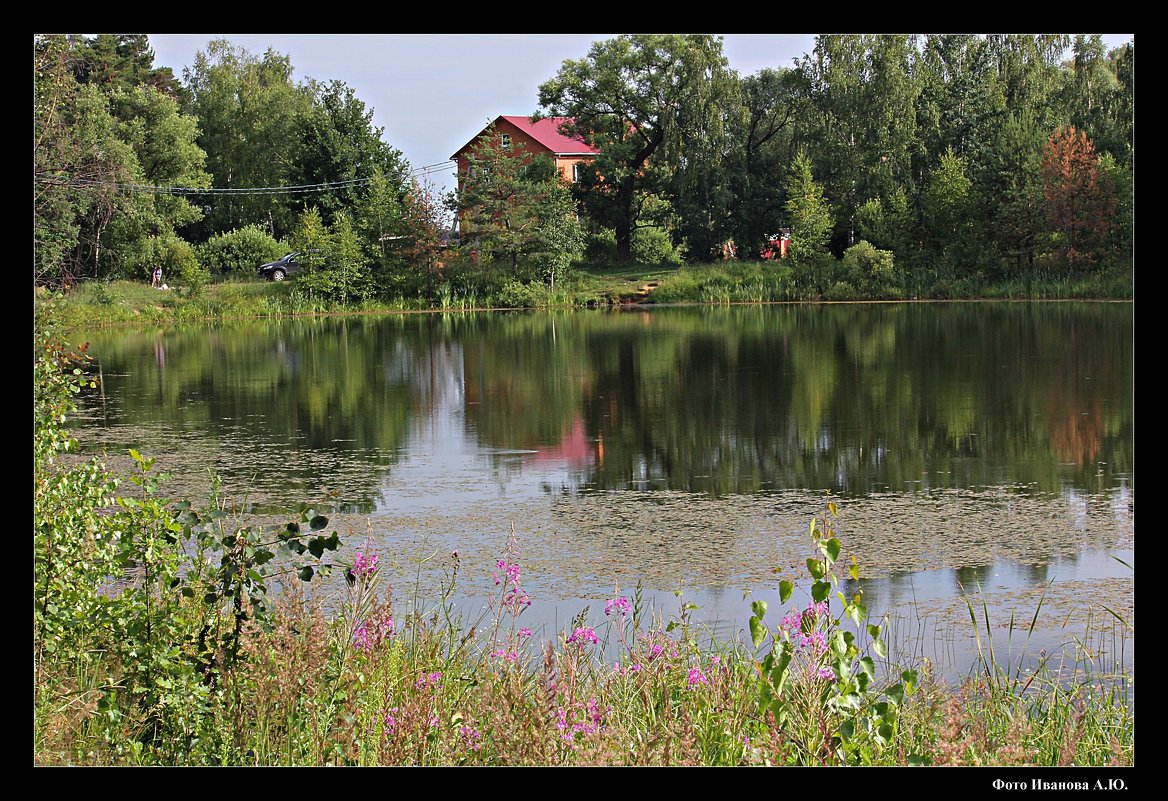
(282, 268)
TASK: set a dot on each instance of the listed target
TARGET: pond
(976, 451)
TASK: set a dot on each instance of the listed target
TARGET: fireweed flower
(696, 677)
(471, 738)
(814, 641)
(390, 721)
(584, 634)
(510, 573)
(428, 680)
(369, 634)
(525, 632)
(516, 599)
(361, 637)
(792, 623)
(365, 565)
(619, 605)
(575, 720)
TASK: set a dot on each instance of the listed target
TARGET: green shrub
(841, 290)
(653, 245)
(520, 295)
(867, 269)
(239, 252)
(180, 265)
(600, 246)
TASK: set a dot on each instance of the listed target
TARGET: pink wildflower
(620, 605)
(696, 677)
(584, 634)
(472, 738)
(365, 565)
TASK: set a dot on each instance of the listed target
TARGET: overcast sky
(432, 93)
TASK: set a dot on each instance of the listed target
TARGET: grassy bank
(127, 302)
(383, 685)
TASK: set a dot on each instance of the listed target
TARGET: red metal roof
(546, 132)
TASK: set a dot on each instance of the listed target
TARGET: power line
(80, 183)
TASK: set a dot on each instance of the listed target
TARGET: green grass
(597, 284)
(433, 688)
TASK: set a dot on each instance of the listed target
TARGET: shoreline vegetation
(159, 639)
(123, 302)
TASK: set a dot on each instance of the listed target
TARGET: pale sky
(432, 93)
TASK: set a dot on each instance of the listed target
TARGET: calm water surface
(978, 449)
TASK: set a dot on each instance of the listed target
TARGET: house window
(506, 140)
(577, 172)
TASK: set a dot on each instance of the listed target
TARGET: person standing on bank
(156, 279)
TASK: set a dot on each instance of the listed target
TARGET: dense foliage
(972, 160)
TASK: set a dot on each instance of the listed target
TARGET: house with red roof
(536, 138)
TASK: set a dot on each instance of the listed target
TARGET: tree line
(231, 166)
(962, 155)
(898, 163)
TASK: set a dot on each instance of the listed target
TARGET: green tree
(380, 219)
(249, 112)
(337, 143)
(333, 262)
(1008, 189)
(1098, 94)
(1123, 63)
(113, 61)
(498, 205)
(311, 239)
(859, 129)
(642, 100)
(809, 214)
(77, 162)
(949, 211)
(892, 225)
(955, 105)
(515, 209)
(239, 252)
(422, 250)
(869, 270)
(559, 239)
(165, 155)
(761, 154)
(347, 261)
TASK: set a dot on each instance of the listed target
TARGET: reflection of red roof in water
(574, 448)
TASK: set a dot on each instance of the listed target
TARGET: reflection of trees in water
(855, 398)
(973, 578)
(291, 402)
